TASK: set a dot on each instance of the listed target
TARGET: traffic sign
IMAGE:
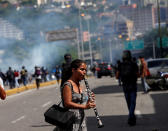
(134, 45)
(164, 42)
(65, 34)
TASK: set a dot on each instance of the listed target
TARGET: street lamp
(87, 17)
(81, 32)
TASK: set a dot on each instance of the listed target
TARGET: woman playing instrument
(74, 97)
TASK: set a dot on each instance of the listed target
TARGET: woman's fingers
(92, 104)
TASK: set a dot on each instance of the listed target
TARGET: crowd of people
(15, 78)
(73, 94)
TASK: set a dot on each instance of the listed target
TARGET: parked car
(104, 69)
(157, 65)
(158, 69)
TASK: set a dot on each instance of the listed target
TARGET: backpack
(128, 72)
(10, 74)
(23, 72)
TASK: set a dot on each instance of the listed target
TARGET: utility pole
(87, 18)
(110, 52)
(167, 19)
(154, 52)
(90, 45)
(159, 29)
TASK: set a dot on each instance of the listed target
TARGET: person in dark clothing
(117, 66)
(23, 74)
(128, 71)
(11, 78)
(65, 68)
(44, 74)
(37, 75)
(58, 74)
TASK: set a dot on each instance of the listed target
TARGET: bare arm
(2, 93)
(117, 75)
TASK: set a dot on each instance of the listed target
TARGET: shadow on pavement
(111, 89)
(156, 121)
(161, 110)
(119, 123)
(43, 125)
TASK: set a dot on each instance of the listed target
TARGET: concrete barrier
(28, 87)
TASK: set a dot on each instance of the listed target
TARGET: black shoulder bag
(59, 116)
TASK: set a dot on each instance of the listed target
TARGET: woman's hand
(90, 104)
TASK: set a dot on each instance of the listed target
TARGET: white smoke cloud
(41, 52)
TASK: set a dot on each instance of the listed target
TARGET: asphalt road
(24, 111)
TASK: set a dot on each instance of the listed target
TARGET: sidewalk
(29, 86)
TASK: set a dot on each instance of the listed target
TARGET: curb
(30, 86)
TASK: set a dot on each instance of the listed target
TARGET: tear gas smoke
(32, 49)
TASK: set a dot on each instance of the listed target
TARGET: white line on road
(20, 118)
(46, 104)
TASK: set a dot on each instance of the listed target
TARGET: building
(143, 18)
(118, 26)
(41, 2)
(163, 3)
(123, 27)
(8, 30)
(143, 3)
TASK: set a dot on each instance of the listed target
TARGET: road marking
(46, 104)
(20, 118)
(138, 113)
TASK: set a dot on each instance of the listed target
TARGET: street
(24, 111)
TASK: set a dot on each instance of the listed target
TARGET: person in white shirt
(2, 91)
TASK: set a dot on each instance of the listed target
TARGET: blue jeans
(24, 81)
(144, 84)
(130, 97)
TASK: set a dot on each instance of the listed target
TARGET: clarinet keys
(89, 92)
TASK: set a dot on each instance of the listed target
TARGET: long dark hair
(74, 65)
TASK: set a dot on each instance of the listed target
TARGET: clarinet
(89, 92)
